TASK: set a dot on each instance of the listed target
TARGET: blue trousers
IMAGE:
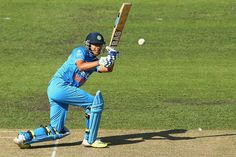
(60, 96)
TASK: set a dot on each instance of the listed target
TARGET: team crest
(99, 37)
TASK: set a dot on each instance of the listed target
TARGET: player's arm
(104, 64)
(83, 66)
(103, 69)
(112, 56)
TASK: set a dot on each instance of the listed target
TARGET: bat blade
(119, 24)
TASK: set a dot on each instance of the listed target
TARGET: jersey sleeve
(77, 54)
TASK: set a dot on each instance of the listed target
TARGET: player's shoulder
(79, 52)
(81, 49)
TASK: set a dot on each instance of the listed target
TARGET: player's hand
(105, 61)
(114, 54)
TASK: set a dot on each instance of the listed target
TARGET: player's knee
(98, 103)
(90, 99)
(46, 133)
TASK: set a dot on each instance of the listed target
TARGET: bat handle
(109, 48)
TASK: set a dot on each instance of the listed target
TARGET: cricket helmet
(95, 38)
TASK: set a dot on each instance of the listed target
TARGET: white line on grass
(3, 131)
(6, 137)
(55, 149)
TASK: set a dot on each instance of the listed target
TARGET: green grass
(183, 77)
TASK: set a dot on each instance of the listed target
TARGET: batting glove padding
(114, 54)
(105, 61)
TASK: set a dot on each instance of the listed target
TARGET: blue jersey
(69, 73)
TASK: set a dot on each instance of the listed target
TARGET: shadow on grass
(141, 137)
(137, 138)
(162, 135)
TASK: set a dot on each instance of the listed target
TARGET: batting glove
(105, 61)
(114, 54)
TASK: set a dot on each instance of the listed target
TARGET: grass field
(182, 77)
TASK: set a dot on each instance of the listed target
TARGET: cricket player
(64, 90)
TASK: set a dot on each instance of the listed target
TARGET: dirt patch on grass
(171, 143)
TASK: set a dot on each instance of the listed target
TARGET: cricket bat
(119, 24)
